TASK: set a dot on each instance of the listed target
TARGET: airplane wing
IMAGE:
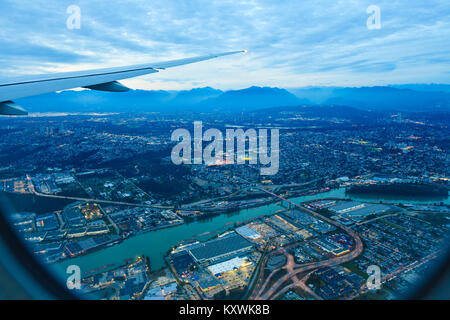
(100, 79)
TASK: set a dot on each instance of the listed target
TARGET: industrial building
(347, 206)
(217, 248)
(47, 222)
(248, 233)
(75, 248)
(227, 266)
(72, 215)
(357, 211)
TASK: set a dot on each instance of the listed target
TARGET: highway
(300, 282)
(242, 191)
(296, 269)
(33, 191)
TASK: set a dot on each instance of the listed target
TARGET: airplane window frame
(32, 278)
(16, 252)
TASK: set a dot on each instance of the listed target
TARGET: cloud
(290, 43)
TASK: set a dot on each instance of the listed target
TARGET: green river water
(156, 244)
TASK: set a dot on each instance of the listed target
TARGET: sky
(290, 43)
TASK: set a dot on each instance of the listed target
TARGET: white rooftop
(227, 266)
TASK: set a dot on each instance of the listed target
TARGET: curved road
(295, 269)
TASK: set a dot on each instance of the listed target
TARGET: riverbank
(156, 244)
(399, 189)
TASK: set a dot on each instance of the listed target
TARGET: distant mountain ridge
(416, 98)
(204, 99)
(422, 98)
(251, 99)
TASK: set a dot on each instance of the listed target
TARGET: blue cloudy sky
(291, 43)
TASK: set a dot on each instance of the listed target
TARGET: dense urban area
(81, 184)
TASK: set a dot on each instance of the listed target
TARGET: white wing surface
(100, 79)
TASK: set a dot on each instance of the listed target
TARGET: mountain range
(411, 98)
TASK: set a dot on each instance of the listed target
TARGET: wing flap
(112, 86)
(11, 109)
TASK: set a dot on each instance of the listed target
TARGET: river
(156, 244)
